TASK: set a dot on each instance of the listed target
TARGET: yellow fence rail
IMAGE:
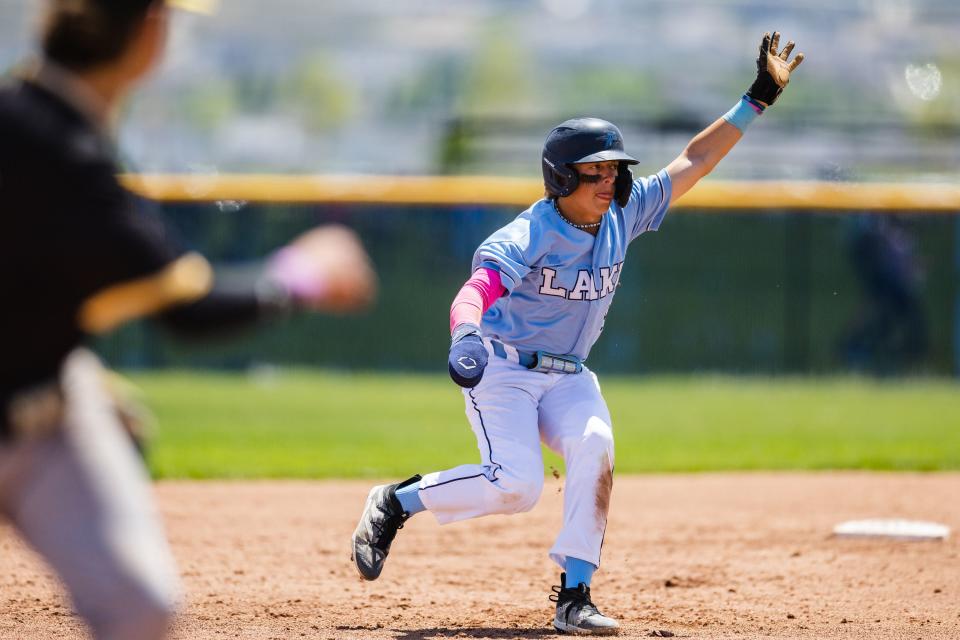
(520, 192)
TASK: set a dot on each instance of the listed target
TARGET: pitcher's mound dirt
(701, 556)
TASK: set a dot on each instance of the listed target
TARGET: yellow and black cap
(133, 7)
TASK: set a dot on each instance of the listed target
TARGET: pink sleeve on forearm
(477, 295)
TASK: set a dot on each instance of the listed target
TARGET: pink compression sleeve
(477, 295)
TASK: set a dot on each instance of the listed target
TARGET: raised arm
(710, 145)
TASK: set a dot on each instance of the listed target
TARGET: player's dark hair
(82, 34)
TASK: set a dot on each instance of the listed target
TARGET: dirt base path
(702, 556)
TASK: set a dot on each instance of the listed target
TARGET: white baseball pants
(511, 411)
(81, 498)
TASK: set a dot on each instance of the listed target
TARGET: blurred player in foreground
(522, 327)
(78, 260)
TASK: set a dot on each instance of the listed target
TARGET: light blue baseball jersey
(560, 280)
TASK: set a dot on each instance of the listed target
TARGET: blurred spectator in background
(889, 334)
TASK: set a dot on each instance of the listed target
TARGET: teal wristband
(743, 113)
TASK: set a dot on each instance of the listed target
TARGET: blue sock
(578, 571)
(409, 497)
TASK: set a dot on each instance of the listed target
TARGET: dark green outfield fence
(730, 292)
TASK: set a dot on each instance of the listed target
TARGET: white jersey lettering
(583, 287)
(606, 279)
(546, 285)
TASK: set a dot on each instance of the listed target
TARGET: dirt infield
(701, 556)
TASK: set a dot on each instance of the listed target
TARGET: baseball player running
(523, 325)
(78, 259)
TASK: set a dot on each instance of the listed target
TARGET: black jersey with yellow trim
(77, 254)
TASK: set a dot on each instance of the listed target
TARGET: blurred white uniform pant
(81, 498)
(511, 411)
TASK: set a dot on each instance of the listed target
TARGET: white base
(891, 528)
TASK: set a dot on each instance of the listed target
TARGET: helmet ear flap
(559, 179)
(623, 184)
(571, 180)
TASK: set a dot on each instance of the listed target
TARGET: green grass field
(308, 424)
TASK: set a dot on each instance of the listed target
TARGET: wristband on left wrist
(743, 113)
(758, 106)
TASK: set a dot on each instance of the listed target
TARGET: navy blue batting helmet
(583, 140)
